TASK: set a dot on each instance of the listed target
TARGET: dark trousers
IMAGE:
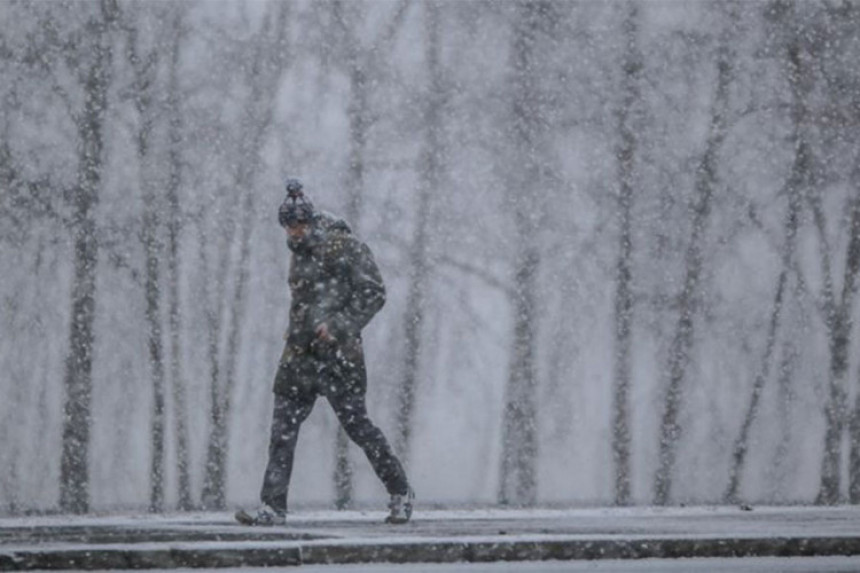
(293, 407)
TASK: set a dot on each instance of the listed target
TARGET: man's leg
(351, 411)
(291, 409)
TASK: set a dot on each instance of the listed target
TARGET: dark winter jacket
(334, 281)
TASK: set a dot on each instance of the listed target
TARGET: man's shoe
(265, 516)
(400, 508)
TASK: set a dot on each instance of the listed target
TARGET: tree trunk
(74, 468)
(838, 312)
(742, 443)
(413, 322)
(518, 479)
(682, 342)
(785, 381)
(796, 187)
(266, 69)
(152, 290)
(854, 455)
(854, 436)
(214, 481)
(362, 65)
(358, 120)
(428, 185)
(831, 458)
(174, 228)
(74, 465)
(623, 274)
(358, 113)
(342, 471)
(519, 428)
(224, 399)
(851, 13)
(152, 293)
(840, 327)
(145, 71)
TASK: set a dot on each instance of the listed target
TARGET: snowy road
(733, 565)
(713, 565)
(600, 539)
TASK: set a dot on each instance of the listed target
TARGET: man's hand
(323, 333)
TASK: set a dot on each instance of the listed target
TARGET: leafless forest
(621, 242)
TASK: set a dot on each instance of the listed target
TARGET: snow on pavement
(354, 535)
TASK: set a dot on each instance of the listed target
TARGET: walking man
(336, 289)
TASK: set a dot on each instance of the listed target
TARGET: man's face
(298, 231)
(299, 237)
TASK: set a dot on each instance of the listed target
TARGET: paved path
(213, 540)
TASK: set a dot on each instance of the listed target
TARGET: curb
(130, 557)
(443, 550)
(580, 549)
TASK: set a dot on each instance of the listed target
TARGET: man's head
(296, 209)
(296, 215)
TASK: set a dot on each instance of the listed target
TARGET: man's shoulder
(341, 244)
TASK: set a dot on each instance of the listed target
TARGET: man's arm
(367, 291)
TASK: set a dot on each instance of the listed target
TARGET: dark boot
(264, 515)
(400, 508)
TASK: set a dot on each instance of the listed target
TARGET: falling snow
(620, 243)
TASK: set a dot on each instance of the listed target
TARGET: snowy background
(620, 242)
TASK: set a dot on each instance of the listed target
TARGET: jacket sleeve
(367, 291)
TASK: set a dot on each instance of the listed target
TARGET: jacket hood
(325, 227)
(326, 223)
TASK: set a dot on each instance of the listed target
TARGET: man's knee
(287, 419)
(359, 428)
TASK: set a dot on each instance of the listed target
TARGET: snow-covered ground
(712, 565)
(773, 520)
(820, 539)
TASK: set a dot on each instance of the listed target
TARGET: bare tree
(214, 479)
(682, 341)
(358, 112)
(144, 88)
(268, 61)
(632, 68)
(174, 230)
(518, 481)
(854, 427)
(794, 189)
(840, 116)
(363, 63)
(430, 168)
(90, 123)
(802, 42)
(839, 325)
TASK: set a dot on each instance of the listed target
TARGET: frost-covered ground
(707, 565)
(713, 565)
(585, 539)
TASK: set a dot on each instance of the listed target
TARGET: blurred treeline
(621, 243)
